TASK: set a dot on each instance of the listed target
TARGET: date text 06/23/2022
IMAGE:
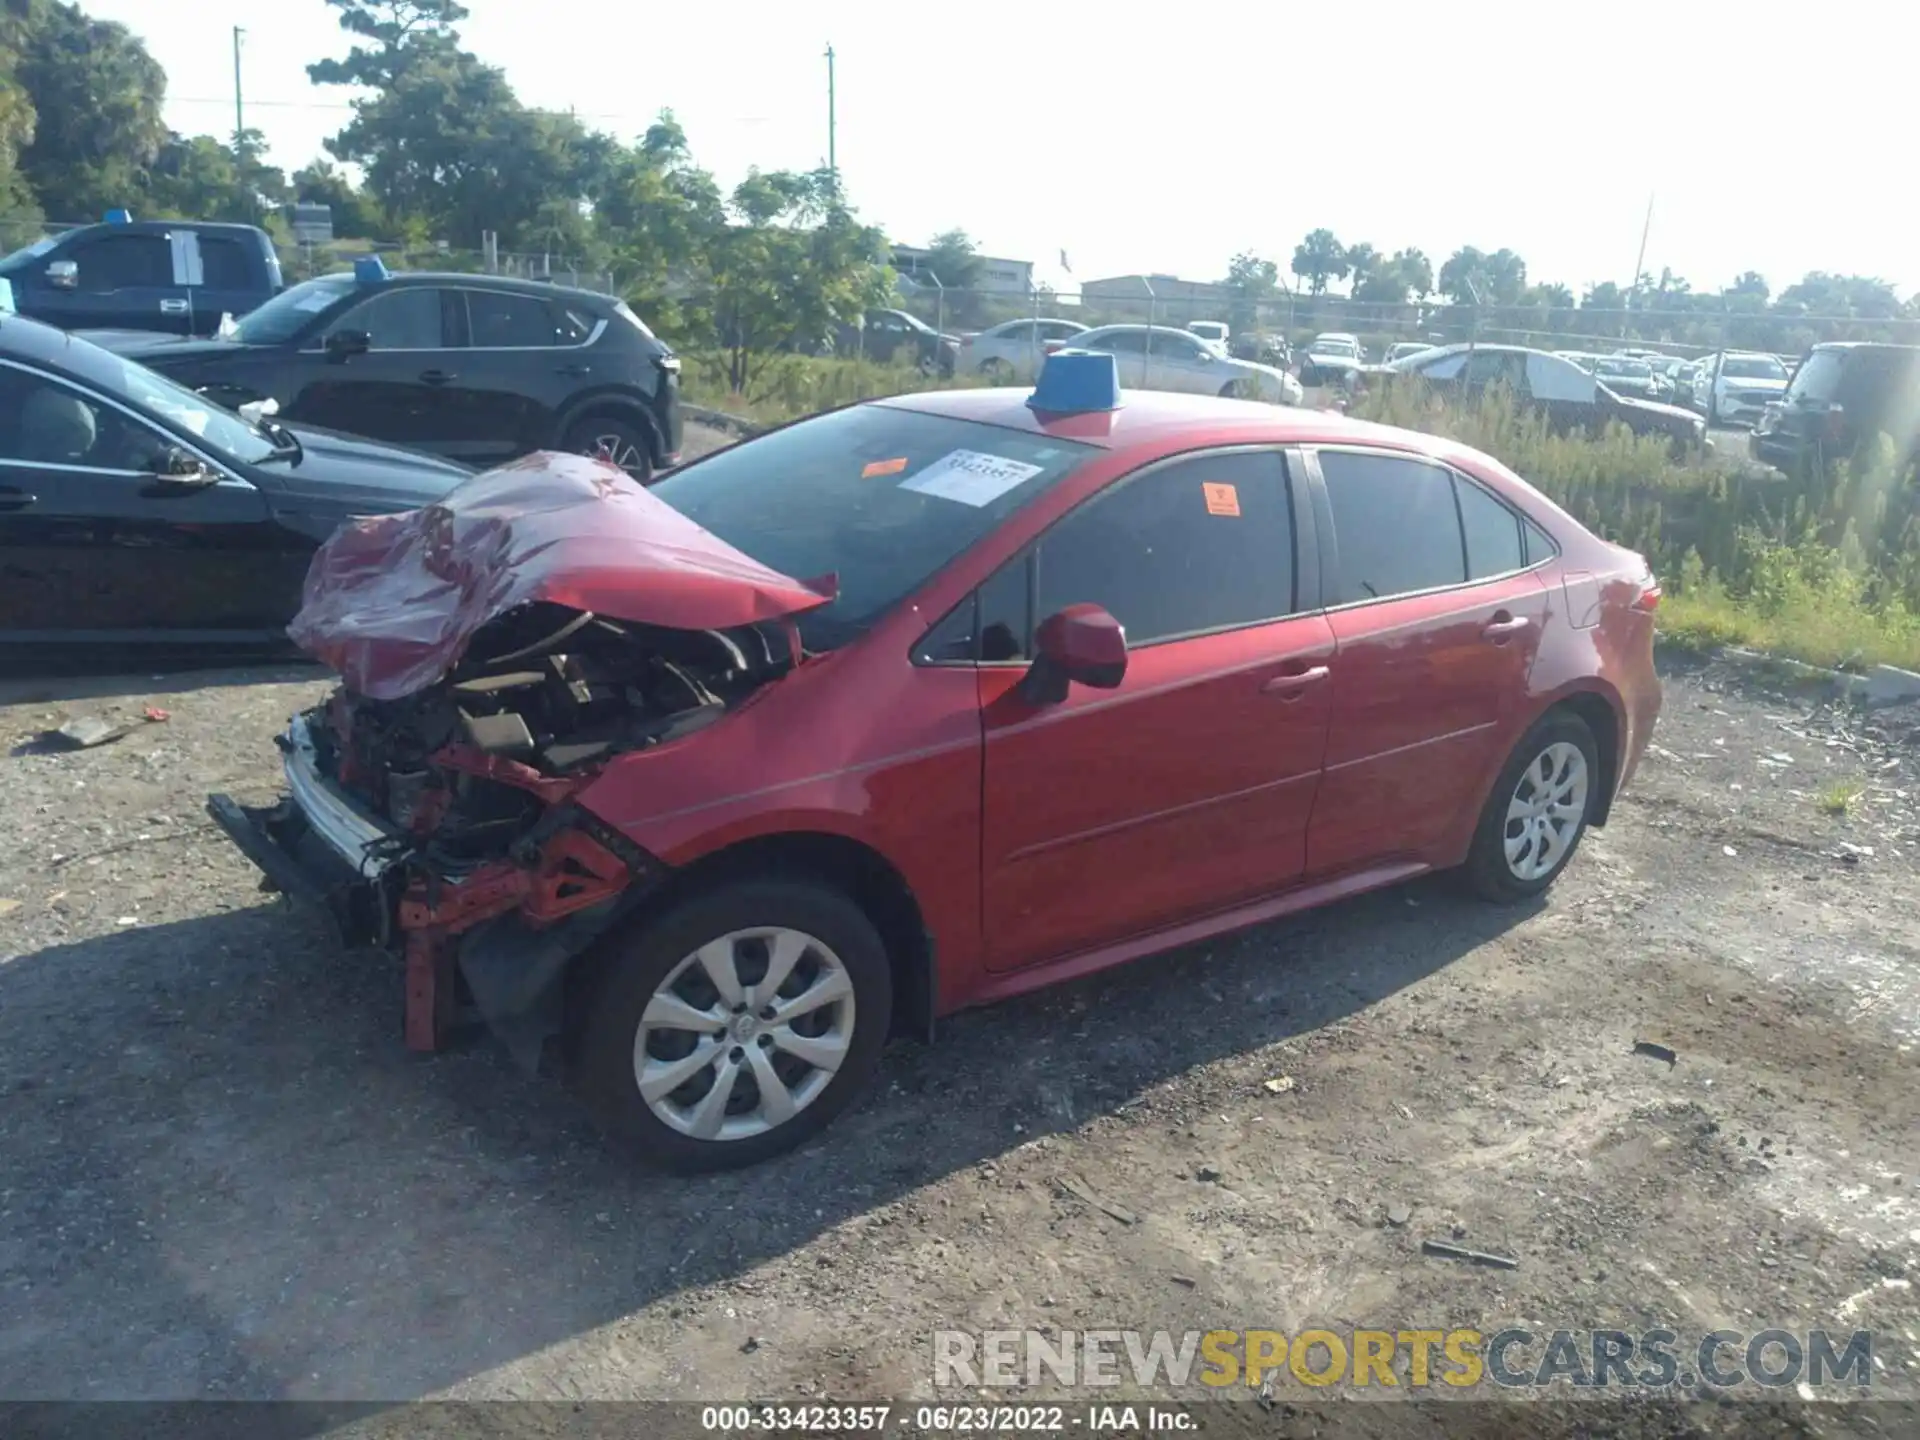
(982, 1419)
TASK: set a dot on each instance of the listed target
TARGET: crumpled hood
(391, 601)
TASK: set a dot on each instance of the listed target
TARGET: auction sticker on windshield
(971, 477)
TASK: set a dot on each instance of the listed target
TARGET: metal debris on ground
(83, 734)
(1472, 1257)
(1399, 1213)
(1186, 1280)
(1080, 1190)
(1656, 1052)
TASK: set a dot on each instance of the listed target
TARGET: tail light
(1053, 345)
(1648, 600)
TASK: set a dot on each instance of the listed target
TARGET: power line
(343, 107)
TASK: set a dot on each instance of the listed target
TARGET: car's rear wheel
(996, 371)
(1538, 810)
(737, 1025)
(1236, 390)
(619, 442)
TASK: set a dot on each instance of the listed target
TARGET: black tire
(626, 443)
(1234, 390)
(1487, 869)
(605, 1069)
(996, 372)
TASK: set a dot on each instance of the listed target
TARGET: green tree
(1320, 258)
(790, 264)
(1250, 282)
(1362, 260)
(1463, 271)
(389, 35)
(96, 94)
(17, 120)
(203, 178)
(1751, 283)
(355, 214)
(1416, 270)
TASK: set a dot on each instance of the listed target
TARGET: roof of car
(513, 284)
(1152, 419)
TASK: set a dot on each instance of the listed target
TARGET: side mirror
(174, 470)
(63, 274)
(343, 343)
(1080, 643)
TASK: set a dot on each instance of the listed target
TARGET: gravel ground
(222, 1176)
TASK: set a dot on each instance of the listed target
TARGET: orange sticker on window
(884, 467)
(1222, 499)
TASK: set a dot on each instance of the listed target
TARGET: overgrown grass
(785, 387)
(1823, 568)
(1838, 798)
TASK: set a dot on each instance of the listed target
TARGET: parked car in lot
(1088, 683)
(1842, 394)
(1154, 357)
(1261, 347)
(1013, 352)
(1626, 375)
(178, 277)
(1214, 332)
(1332, 359)
(1667, 373)
(1578, 357)
(134, 512)
(894, 336)
(1733, 388)
(1571, 397)
(477, 368)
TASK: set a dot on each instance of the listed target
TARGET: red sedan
(1063, 682)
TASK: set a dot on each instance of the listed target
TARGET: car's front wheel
(1537, 811)
(737, 1025)
(619, 442)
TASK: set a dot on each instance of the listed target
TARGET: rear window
(878, 496)
(1818, 381)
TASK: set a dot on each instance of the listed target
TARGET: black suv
(1842, 394)
(477, 368)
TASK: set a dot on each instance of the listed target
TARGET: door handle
(437, 377)
(12, 499)
(174, 307)
(1503, 625)
(1291, 685)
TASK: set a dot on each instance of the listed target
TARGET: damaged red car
(705, 791)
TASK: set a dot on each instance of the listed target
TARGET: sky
(1166, 140)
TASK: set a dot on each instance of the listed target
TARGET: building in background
(997, 276)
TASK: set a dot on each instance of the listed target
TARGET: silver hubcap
(1546, 811)
(744, 1034)
(616, 450)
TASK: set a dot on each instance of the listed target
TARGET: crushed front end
(442, 826)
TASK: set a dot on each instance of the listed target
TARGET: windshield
(1818, 379)
(287, 314)
(28, 252)
(1623, 369)
(1752, 367)
(1335, 345)
(881, 497)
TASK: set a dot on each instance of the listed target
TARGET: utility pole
(1639, 263)
(833, 164)
(239, 112)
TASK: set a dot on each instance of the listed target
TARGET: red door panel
(1185, 791)
(1424, 693)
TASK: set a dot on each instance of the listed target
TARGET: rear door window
(1396, 526)
(498, 321)
(223, 263)
(407, 318)
(1494, 546)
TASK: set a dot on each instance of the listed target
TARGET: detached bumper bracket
(251, 838)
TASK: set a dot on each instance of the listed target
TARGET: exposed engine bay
(543, 696)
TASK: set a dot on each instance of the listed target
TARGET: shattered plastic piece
(158, 716)
(84, 734)
(1279, 1084)
(392, 600)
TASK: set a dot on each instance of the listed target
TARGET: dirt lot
(220, 1175)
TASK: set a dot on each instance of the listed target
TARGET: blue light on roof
(370, 270)
(1077, 382)
(119, 217)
